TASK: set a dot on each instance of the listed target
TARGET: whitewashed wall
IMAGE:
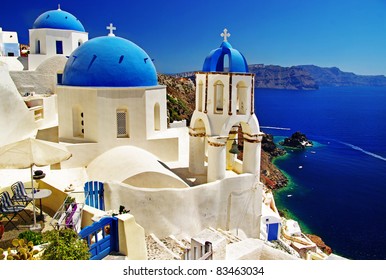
(228, 204)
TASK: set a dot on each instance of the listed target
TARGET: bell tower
(224, 110)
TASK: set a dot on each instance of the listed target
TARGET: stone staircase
(230, 237)
(172, 248)
(168, 248)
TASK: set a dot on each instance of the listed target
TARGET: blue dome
(58, 19)
(109, 61)
(214, 62)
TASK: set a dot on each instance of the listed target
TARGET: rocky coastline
(271, 176)
(274, 178)
(181, 96)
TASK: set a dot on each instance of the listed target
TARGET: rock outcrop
(320, 243)
(297, 140)
(270, 147)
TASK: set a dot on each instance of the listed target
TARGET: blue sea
(337, 188)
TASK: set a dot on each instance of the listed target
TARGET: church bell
(234, 150)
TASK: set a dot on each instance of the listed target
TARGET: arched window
(157, 117)
(77, 122)
(80, 42)
(122, 123)
(226, 63)
(242, 97)
(218, 97)
(200, 95)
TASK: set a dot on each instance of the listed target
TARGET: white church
(108, 109)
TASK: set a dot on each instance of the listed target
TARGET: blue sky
(349, 34)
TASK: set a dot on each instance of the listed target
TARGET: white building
(9, 43)
(54, 33)
(112, 98)
(10, 50)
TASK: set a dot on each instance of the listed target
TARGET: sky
(178, 35)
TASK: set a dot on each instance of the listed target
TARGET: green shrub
(35, 237)
(64, 244)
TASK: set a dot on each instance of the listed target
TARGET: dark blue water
(340, 191)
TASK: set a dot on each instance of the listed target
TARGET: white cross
(111, 28)
(59, 7)
(225, 34)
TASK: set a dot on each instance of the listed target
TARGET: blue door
(273, 231)
(101, 237)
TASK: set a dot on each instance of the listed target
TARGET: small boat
(300, 166)
(289, 195)
(313, 152)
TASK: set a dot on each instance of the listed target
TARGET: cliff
(304, 77)
(180, 97)
(271, 176)
(334, 77)
(274, 77)
(277, 77)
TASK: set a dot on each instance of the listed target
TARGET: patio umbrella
(29, 152)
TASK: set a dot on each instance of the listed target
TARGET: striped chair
(7, 208)
(19, 194)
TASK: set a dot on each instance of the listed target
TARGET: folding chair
(20, 194)
(8, 208)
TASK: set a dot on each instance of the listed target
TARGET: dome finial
(59, 7)
(225, 34)
(111, 28)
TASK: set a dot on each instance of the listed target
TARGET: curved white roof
(134, 166)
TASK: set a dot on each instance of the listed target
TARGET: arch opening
(218, 97)
(242, 95)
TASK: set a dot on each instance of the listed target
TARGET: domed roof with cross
(58, 19)
(214, 62)
(109, 61)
